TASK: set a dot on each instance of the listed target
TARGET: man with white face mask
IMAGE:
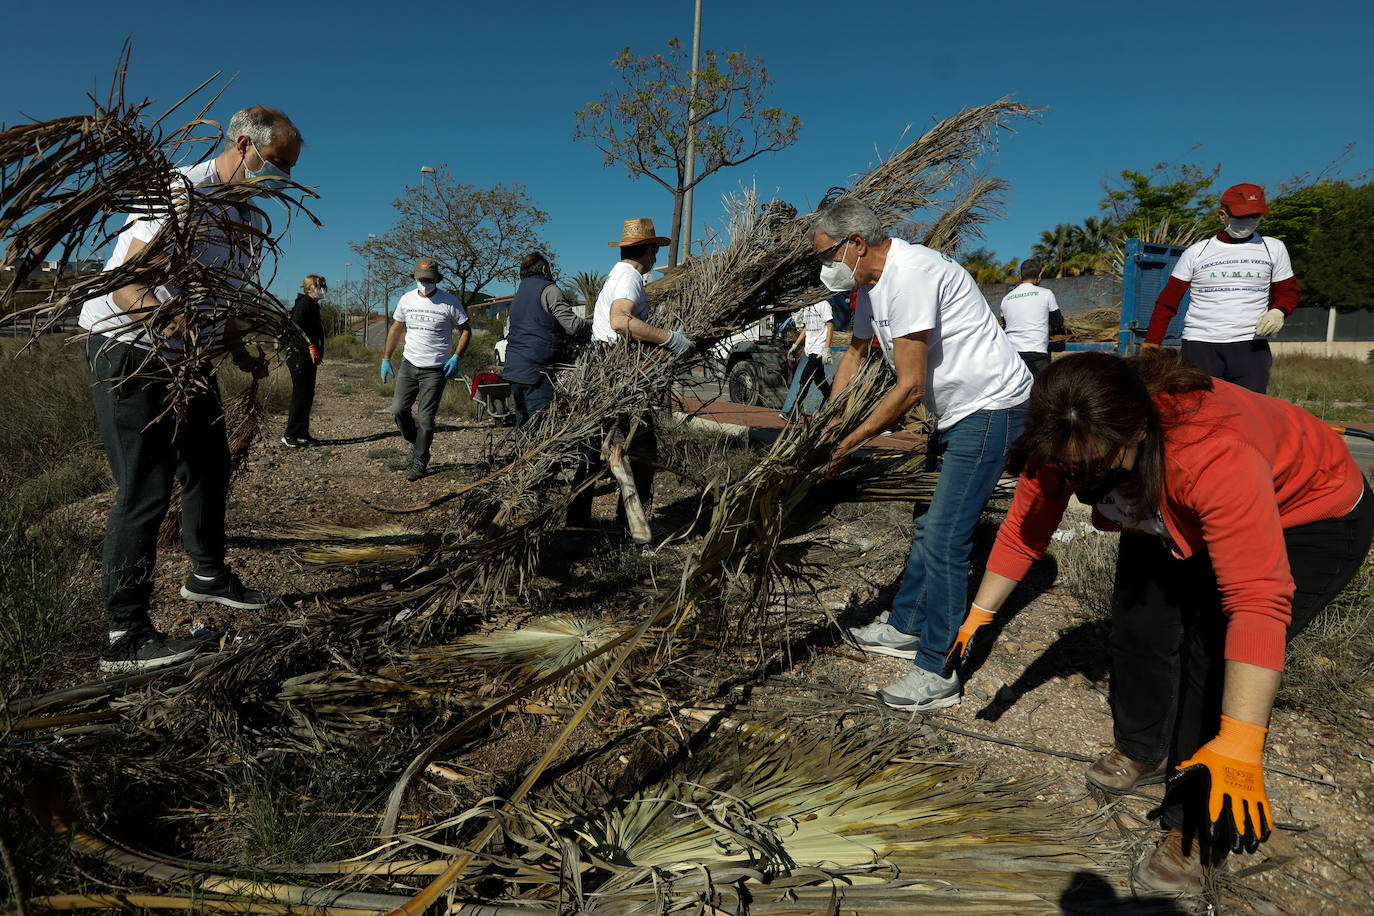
(425, 318)
(135, 372)
(1242, 288)
(938, 334)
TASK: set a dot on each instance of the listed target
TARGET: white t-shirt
(624, 282)
(1026, 310)
(1229, 286)
(971, 366)
(238, 258)
(429, 326)
(814, 318)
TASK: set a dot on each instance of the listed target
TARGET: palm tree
(1055, 248)
(588, 285)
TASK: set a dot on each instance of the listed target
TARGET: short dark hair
(1031, 267)
(534, 264)
(634, 252)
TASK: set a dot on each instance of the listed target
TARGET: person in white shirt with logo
(1241, 288)
(135, 375)
(1031, 313)
(817, 327)
(426, 319)
(937, 333)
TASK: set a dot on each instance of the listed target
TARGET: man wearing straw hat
(426, 319)
(936, 331)
(621, 314)
(136, 371)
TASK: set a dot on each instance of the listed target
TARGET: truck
(1145, 270)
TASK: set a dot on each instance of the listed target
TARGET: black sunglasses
(826, 256)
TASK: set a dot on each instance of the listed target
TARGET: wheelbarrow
(493, 397)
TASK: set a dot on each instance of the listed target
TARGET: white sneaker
(919, 690)
(885, 639)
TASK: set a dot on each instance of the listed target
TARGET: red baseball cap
(1244, 200)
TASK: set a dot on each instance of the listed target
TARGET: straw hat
(638, 232)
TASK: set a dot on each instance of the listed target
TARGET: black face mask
(1094, 487)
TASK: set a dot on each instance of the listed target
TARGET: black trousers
(1245, 363)
(302, 369)
(812, 373)
(1169, 633)
(146, 445)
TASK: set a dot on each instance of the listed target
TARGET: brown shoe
(1119, 774)
(1171, 870)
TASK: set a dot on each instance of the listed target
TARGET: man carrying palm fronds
(136, 373)
(938, 334)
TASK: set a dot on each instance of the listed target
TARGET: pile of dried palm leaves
(647, 795)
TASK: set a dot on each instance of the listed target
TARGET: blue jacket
(535, 340)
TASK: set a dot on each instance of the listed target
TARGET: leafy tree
(1178, 196)
(1335, 263)
(643, 122)
(478, 236)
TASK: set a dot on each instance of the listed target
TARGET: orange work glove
(976, 618)
(1238, 814)
(1146, 345)
(316, 355)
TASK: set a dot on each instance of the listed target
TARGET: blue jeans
(531, 398)
(933, 596)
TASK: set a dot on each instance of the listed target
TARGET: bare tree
(643, 122)
(478, 235)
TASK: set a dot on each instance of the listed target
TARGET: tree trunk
(675, 228)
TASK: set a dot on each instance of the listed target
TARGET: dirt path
(1043, 684)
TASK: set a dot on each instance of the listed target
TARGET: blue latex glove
(451, 367)
(386, 370)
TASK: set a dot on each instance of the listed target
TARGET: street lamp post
(344, 310)
(424, 170)
(367, 298)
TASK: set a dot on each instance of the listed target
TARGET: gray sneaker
(885, 639)
(919, 690)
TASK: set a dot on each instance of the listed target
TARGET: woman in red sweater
(1242, 516)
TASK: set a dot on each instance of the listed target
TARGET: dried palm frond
(536, 647)
(766, 259)
(820, 810)
(65, 182)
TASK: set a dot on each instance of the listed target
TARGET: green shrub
(46, 411)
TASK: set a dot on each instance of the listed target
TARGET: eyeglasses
(1079, 470)
(828, 255)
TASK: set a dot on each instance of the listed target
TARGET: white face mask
(426, 287)
(1241, 227)
(837, 276)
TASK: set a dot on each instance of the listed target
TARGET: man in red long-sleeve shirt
(1242, 289)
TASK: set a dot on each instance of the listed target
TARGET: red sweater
(1239, 468)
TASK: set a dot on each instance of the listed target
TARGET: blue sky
(1267, 89)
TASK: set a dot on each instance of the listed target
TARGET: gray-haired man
(938, 334)
(146, 443)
